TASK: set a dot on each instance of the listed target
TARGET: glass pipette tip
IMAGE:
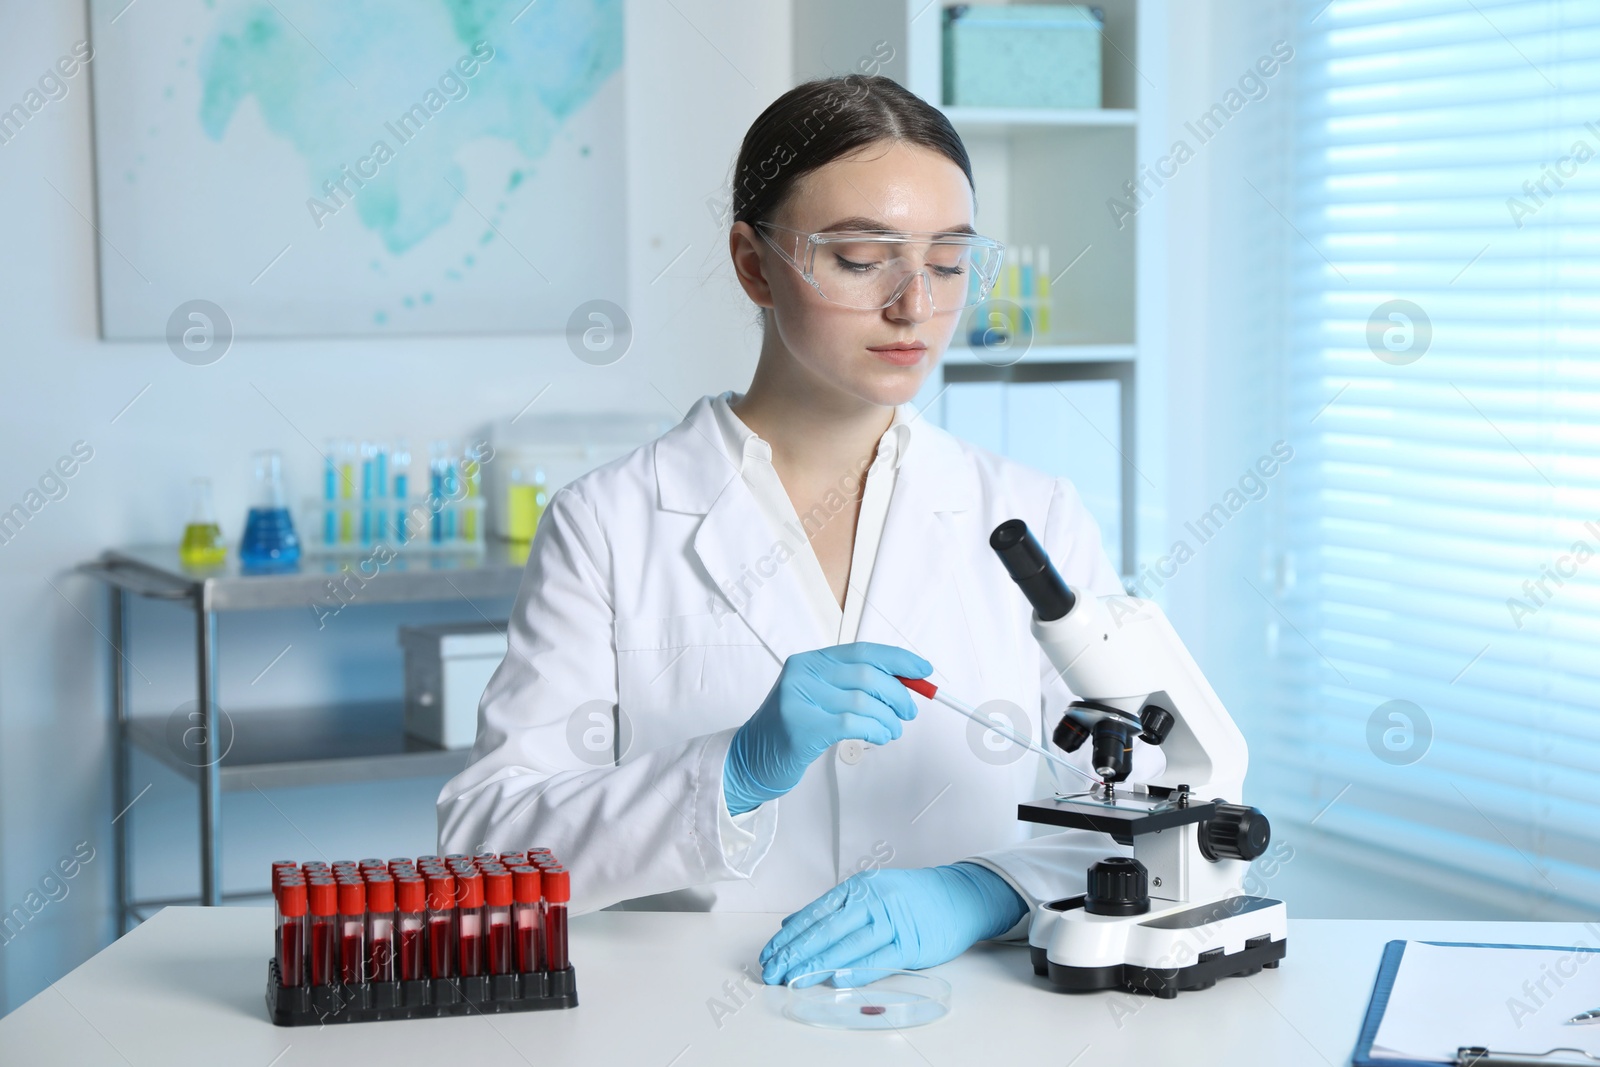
(931, 691)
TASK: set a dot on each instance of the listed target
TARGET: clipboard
(1467, 1056)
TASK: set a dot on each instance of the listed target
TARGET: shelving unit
(1044, 177)
(275, 748)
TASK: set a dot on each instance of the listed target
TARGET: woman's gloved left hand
(899, 919)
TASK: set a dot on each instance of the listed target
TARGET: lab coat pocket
(680, 676)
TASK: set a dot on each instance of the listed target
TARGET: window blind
(1439, 643)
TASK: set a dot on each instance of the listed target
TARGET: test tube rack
(426, 998)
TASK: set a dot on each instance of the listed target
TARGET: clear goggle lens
(870, 271)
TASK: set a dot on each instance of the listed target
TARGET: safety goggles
(869, 269)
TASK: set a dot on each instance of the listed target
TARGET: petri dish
(867, 998)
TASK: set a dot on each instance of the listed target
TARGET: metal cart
(302, 746)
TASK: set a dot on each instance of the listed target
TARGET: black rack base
(426, 999)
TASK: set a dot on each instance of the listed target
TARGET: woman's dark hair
(820, 121)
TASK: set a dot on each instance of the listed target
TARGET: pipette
(931, 691)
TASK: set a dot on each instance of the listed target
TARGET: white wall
(699, 71)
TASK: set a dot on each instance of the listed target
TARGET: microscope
(1173, 916)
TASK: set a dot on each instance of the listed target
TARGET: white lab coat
(651, 586)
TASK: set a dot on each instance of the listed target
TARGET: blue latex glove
(820, 698)
(900, 919)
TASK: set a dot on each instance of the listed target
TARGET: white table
(187, 987)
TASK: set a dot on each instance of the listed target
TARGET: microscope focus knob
(1118, 885)
(1235, 832)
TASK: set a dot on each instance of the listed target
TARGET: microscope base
(1134, 953)
(1166, 984)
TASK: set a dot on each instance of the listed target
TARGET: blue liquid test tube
(451, 481)
(382, 479)
(367, 472)
(330, 493)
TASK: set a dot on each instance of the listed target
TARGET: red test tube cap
(380, 895)
(497, 889)
(411, 894)
(292, 900)
(557, 885)
(441, 892)
(352, 898)
(526, 884)
(471, 890)
(323, 898)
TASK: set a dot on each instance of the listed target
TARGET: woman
(744, 589)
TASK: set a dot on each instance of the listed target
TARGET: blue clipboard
(1384, 984)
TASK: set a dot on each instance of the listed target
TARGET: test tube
(469, 925)
(452, 483)
(347, 491)
(498, 896)
(411, 898)
(381, 466)
(557, 891)
(441, 924)
(323, 902)
(526, 891)
(471, 480)
(402, 491)
(436, 467)
(352, 932)
(369, 457)
(292, 933)
(380, 928)
(282, 870)
(330, 494)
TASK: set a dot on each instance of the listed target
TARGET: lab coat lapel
(758, 576)
(734, 542)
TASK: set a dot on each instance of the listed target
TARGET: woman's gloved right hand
(821, 697)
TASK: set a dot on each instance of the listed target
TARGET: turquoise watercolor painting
(339, 167)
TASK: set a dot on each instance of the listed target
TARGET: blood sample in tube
(321, 949)
(352, 932)
(498, 898)
(411, 899)
(557, 891)
(469, 924)
(380, 929)
(292, 933)
(527, 918)
(441, 925)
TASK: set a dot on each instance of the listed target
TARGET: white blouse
(753, 457)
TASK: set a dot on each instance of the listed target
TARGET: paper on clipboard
(1508, 999)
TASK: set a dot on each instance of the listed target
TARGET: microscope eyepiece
(1032, 570)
